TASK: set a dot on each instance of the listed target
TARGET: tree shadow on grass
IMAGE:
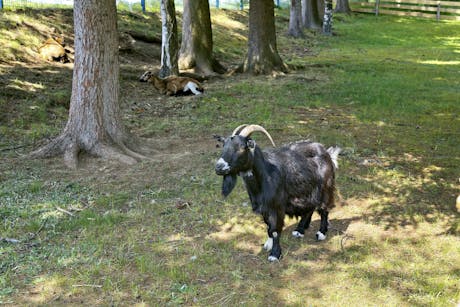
(406, 175)
(34, 95)
(410, 269)
(275, 282)
(412, 198)
(337, 227)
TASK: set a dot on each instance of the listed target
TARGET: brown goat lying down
(54, 49)
(173, 85)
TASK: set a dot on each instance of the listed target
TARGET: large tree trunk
(94, 124)
(312, 14)
(295, 19)
(342, 6)
(169, 44)
(263, 57)
(196, 48)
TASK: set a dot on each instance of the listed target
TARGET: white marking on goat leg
(320, 236)
(297, 234)
(275, 234)
(268, 244)
(272, 259)
(246, 174)
(223, 164)
(192, 87)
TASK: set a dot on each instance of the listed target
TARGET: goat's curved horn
(247, 131)
(238, 129)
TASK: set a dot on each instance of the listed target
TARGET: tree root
(67, 146)
(132, 153)
(54, 148)
(202, 67)
(260, 69)
(71, 155)
(113, 153)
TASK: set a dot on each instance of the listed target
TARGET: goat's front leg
(269, 243)
(275, 226)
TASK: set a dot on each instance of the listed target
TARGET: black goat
(295, 179)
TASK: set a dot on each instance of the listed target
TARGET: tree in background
(295, 19)
(312, 14)
(169, 42)
(94, 124)
(342, 6)
(327, 21)
(197, 45)
(262, 57)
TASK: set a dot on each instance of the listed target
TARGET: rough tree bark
(169, 43)
(327, 21)
(312, 14)
(342, 6)
(262, 57)
(196, 48)
(94, 124)
(295, 19)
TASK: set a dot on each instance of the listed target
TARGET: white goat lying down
(295, 179)
(173, 85)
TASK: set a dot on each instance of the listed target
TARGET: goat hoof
(297, 234)
(320, 236)
(268, 244)
(273, 259)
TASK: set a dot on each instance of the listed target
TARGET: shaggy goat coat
(294, 180)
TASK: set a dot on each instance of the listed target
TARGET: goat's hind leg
(303, 224)
(321, 234)
(192, 87)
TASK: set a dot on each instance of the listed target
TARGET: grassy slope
(385, 89)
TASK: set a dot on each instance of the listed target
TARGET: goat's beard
(228, 184)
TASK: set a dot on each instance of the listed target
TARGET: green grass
(385, 89)
(414, 65)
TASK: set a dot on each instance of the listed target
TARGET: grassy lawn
(158, 233)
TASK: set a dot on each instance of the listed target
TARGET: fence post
(1, 4)
(377, 7)
(217, 3)
(277, 3)
(241, 5)
(143, 6)
(438, 12)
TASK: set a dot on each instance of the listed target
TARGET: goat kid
(173, 85)
(295, 179)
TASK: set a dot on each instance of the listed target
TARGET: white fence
(418, 8)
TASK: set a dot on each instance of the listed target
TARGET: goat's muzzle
(222, 167)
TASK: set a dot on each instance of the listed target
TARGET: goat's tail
(334, 153)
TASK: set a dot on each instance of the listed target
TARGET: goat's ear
(218, 138)
(251, 143)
